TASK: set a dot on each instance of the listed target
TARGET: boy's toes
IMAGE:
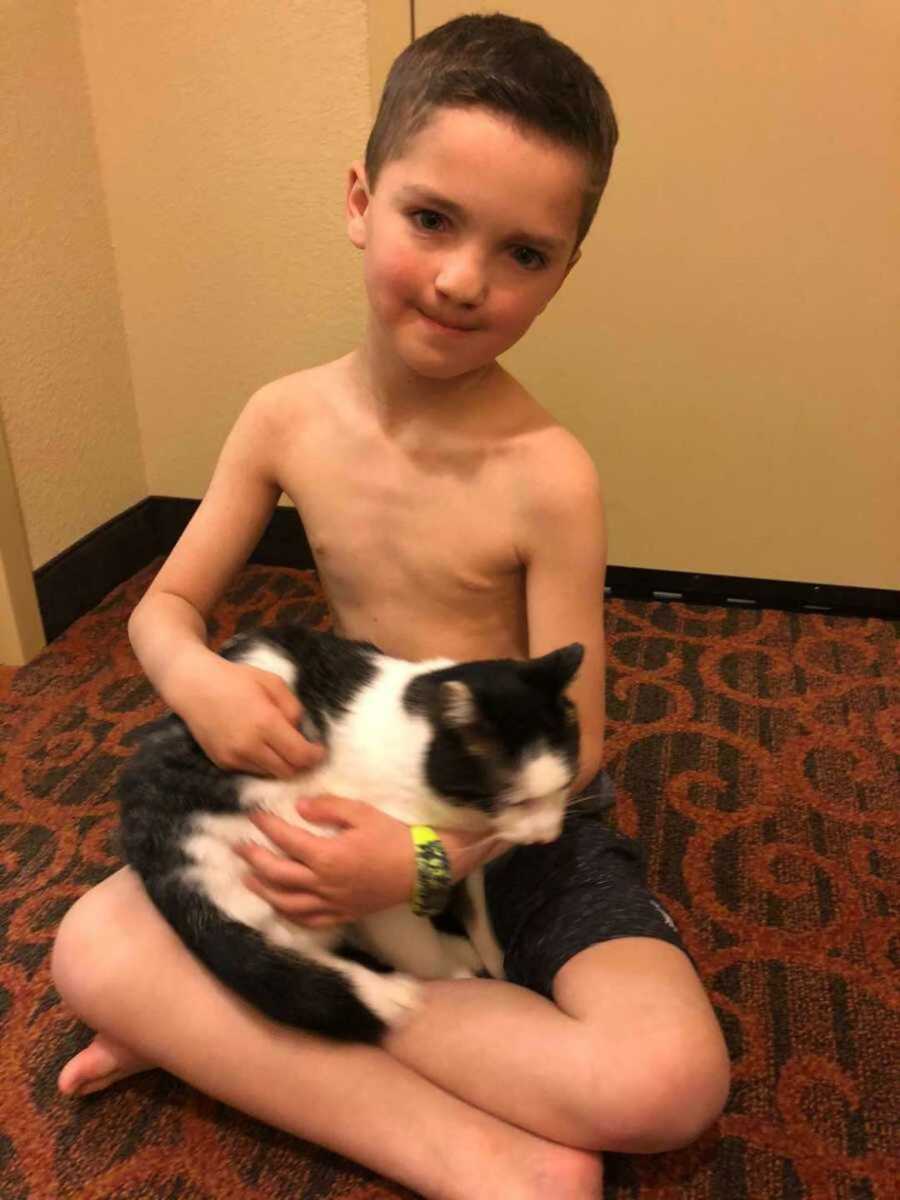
(100, 1064)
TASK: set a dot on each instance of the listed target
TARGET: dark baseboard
(735, 591)
(283, 543)
(76, 580)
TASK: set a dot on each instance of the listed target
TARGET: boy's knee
(672, 1090)
(88, 958)
(680, 1094)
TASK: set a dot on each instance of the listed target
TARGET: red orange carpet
(755, 755)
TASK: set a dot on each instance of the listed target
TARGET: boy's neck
(402, 397)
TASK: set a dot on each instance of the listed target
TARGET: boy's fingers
(324, 919)
(268, 763)
(329, 810)
(283, 738)
(302, 907)
(263, 763)
(281, 695)
(297, 844)
(275, 871)
(293, 748)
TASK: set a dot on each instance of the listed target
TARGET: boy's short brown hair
(507, 66)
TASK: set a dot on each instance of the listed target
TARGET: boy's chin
(445, 370)
(440, 366)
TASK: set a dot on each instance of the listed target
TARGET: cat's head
(505, 739)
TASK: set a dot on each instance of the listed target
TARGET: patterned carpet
(755, 756)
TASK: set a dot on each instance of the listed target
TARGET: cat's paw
(462, 958)
(393, 998)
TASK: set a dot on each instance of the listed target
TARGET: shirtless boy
(448, 515)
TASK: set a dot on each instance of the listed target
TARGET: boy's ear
(575, 258)
(357, 204)
(572, 262)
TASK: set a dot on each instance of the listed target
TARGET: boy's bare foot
(97, 1066)
(549, 1170)
(568, 1174)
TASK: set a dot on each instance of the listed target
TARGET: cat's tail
(287, 987)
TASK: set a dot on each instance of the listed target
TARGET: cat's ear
(456, 704)
(555, 671)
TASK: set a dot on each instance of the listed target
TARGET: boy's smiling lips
(436, 323)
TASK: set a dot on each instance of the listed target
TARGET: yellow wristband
(433, 878)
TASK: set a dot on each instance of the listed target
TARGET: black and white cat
(483, 746)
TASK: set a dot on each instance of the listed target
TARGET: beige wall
(74, 457)
(172, 219)
(172, 238)
(224, 133)
(727, 348)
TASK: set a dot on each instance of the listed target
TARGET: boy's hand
(244, 718)
(367, 866)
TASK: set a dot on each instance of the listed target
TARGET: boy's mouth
(435, 323)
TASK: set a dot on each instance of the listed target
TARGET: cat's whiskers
(487, 840)
(577, 802)
(583, 800)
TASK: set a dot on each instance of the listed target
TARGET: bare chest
(417, 553)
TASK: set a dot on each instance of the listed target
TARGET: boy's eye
(428, 219)
(531, 260)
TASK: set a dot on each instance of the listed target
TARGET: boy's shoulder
(295, 405)
(291, 396)
(553, 464)
(560, 498)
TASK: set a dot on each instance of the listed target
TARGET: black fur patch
(517, 705)
(332, 670)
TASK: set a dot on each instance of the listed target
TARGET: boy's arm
(243, 717)
(218, 540)
(564, 551)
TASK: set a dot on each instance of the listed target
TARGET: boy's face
(473, 227)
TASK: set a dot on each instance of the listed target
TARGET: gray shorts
(549, 902)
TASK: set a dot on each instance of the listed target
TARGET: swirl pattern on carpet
(755, 756)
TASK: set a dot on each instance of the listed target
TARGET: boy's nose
(462, 279)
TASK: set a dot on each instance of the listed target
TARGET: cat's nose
(551, 830)
(526, 828)
(548, 836)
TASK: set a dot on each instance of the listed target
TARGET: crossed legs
(488, 1090)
